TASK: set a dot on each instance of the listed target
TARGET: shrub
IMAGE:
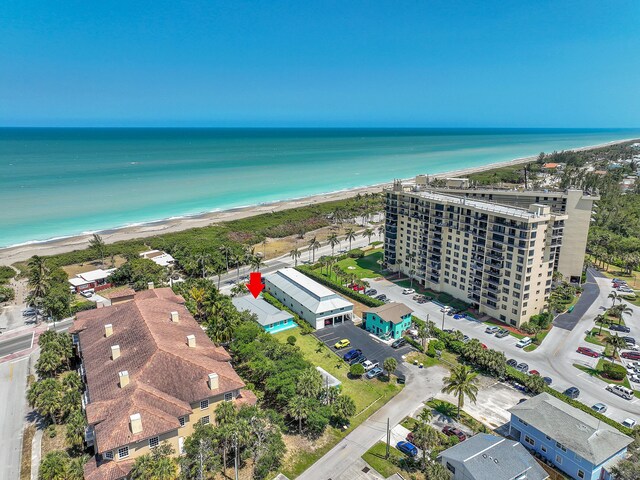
(356, 370)
(82, 306)
(6, 274)
(431, 349)
(6, 294)
(291, 340)
(613, 371)
(355, 253)
(317, 421)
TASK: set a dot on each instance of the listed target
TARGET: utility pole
(428, 326)
(388, 438)
(443, 314)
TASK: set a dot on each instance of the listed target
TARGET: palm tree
(426, 437)
(614, 298)
(299, 409)
(314, 244)
(203, 259)
(350, 235)
(389, 366)
(423, 334)
(435, 471)
(344, 407)
(97, 244)
(54, 466)
(75, 429)
(225, 251)
(157, 465)
(333, 241)
(39, 282)
(256, 262)
(225, 413)
(600, 318)
(368, 233)
(461, 383)
(616, 343)
(75, 468)
(425, 415)
(381, 230)
(623, 309)
(295, 254)
(309, 383)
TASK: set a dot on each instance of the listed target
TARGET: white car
(369, 365)
(631, 369)
(634, 378)
(629, 423)
(408, 291)
(87, 293)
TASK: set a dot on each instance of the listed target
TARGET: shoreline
(21, 252)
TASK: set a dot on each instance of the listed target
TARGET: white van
(524, 342)
(621, 391)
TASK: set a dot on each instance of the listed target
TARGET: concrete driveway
(372, 347)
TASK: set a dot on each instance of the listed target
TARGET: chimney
(108, 330)
(124, 378)
(150, 286)
(213, 381)
(174, 317)
(115, 352)
(135, 422)
(191, 341)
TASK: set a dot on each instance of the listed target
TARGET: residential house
(150, 374)
(488, 457)
(158, 257)
(94, 279)
(314, 303)
(574, 442)
(272, 319)
(391, 320)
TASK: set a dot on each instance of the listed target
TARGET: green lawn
(369, 395)
(365, 267)
(418, 357)
(375, 457)
(540, 336)
(596, 339)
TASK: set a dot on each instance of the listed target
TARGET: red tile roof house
(151, 373)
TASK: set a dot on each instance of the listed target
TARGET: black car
(547, 380)
(358, 359)
(512, 362)
(629, 340)
(572, 392)
(381, 297)
(371, 292)
(620, 328)
(401, 342)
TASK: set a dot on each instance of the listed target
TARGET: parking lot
(372, 347)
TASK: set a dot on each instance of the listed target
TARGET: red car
(483, 346)
(631, 355)
(410, 437)
(450, 431)
(588, 352)
(534, 372)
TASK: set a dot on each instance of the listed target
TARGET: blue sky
(326, 63)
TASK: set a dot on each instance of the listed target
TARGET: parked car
(547, 380)
(512, 362)
(621, 391)
(408, 291)
(631, 355)
(523, 367)
(635, 378)
(369, 365)
(450, 431)
(534, 372)
(353, 353)
(382, 297)
(359, 359)
(484, 347)
(502, 333)
(619, 328)
(401, 342)
(629, 340)
(87, 293)
(409, 437)
(371, 292)
(492, 329)
(374, 372)
(342, 344)
(588, 352)
(599, 407)
(465, 338)
(407, 448)
(524, 342)
(629, 423)
(572, 392)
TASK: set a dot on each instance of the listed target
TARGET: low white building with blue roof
(272, 319)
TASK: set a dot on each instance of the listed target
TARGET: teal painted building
(388, 321)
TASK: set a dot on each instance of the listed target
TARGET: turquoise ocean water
(61, 182)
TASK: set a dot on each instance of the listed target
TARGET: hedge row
(358, 297)
(520, 377)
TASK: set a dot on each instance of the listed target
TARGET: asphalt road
(13, 383)
(421, 385)
(15, 344)
(568, 321)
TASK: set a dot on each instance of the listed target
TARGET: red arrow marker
(255, 285)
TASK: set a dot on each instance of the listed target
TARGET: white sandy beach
(11, 255)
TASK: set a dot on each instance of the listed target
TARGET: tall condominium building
(499, 258)
(576, 204)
